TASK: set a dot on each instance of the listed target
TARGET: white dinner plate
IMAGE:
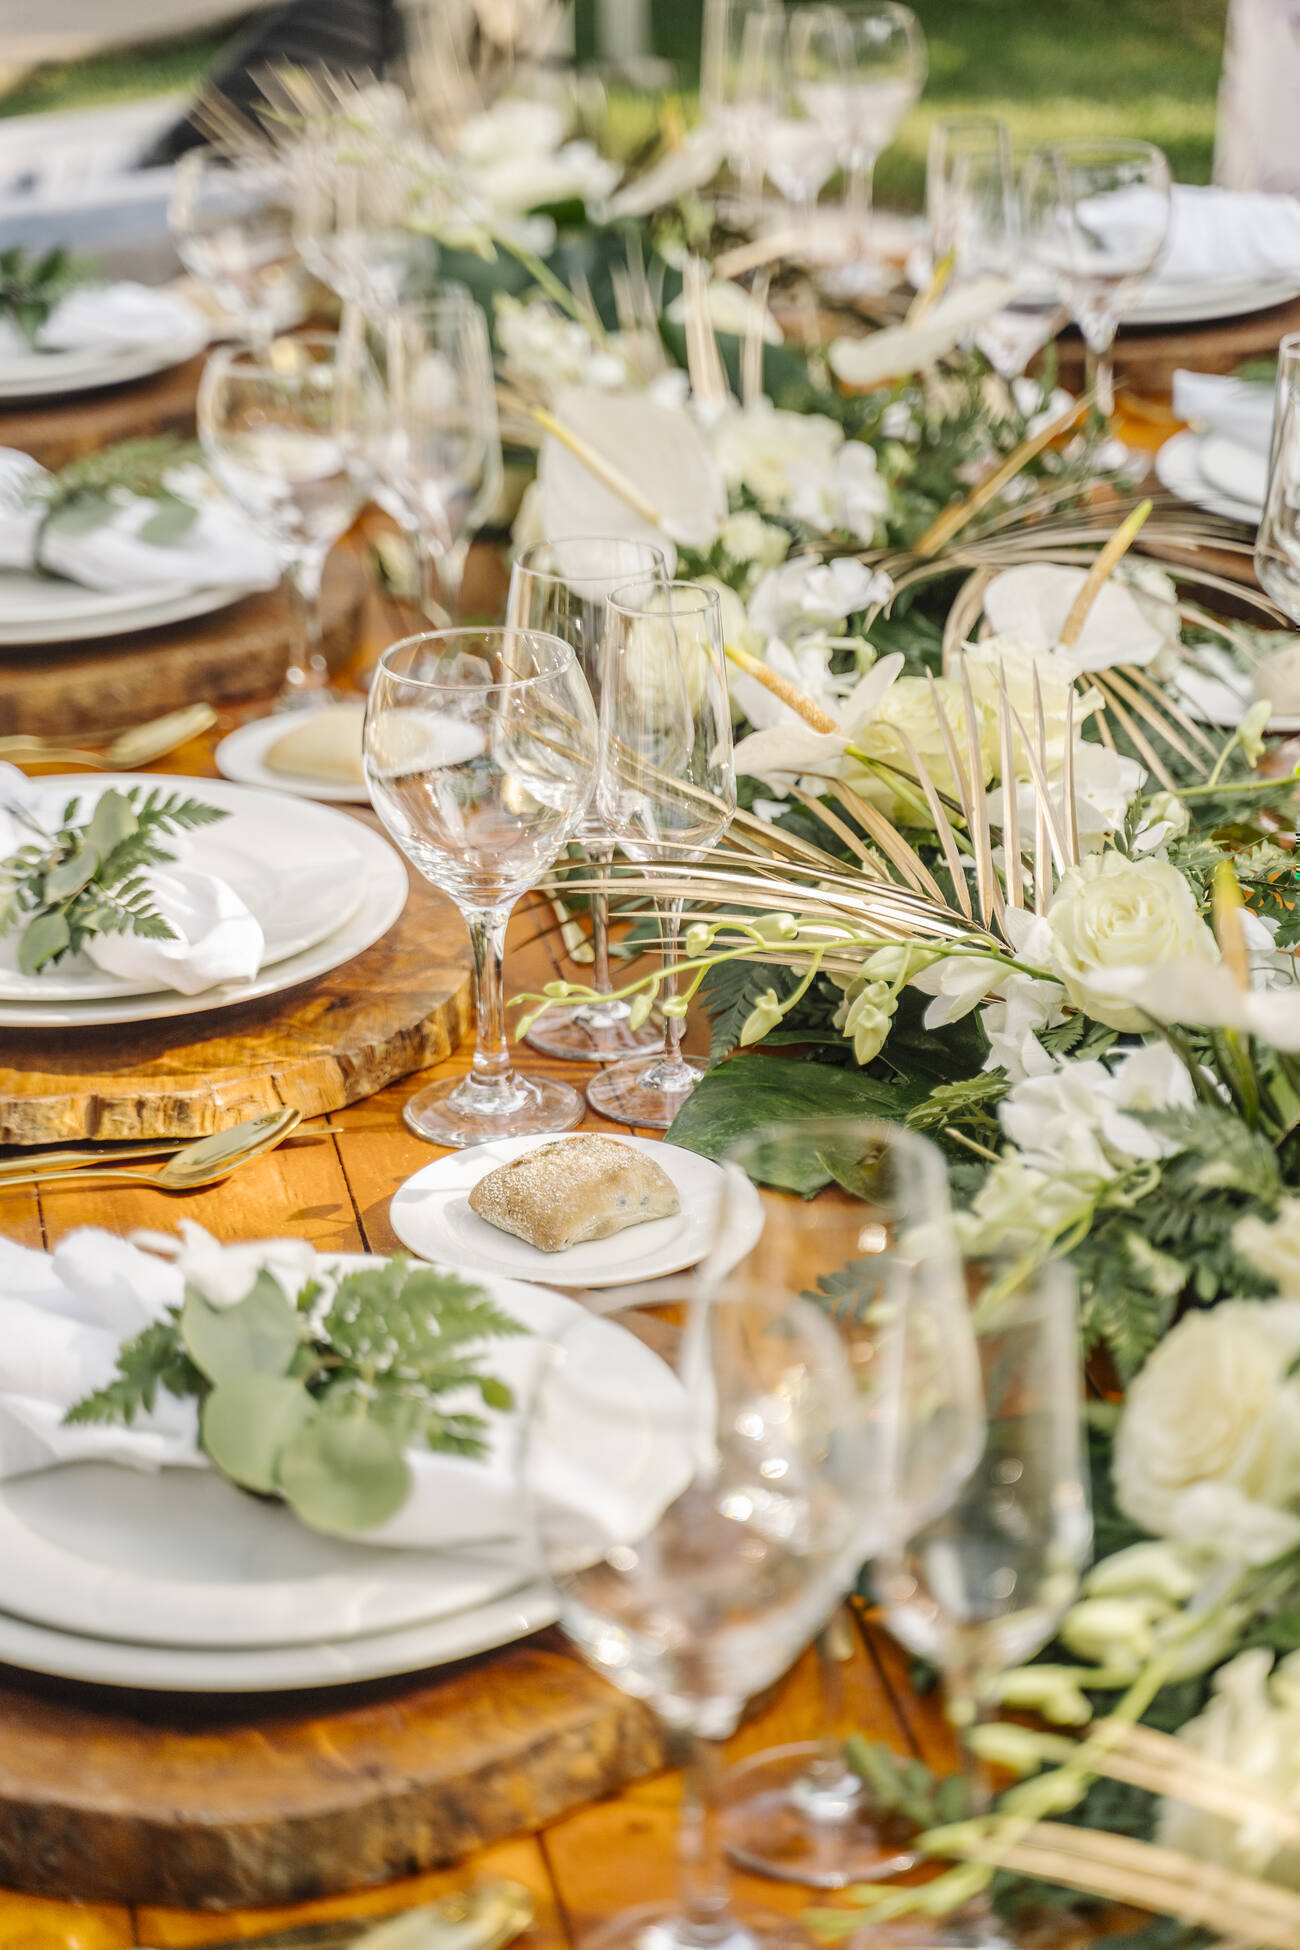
(179, 1557)
(431, 1215)
(47, 375)
(1178, 470)
(38, 610)
(1238, 472)
(386, 887)
(331, 1662)
(1197, 302)
(1216, 690)
(242, 756)
(296, 868)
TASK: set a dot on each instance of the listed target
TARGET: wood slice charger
(249, 1800)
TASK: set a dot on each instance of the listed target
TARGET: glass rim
(1072, 147)
(567, 659)
(251, 360)
(521, 561)
(709, 599)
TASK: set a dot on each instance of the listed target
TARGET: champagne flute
(726, 1459)
(984, 1585)
(443, 465)
(1097, 214)
(562, 587)
(879, 48)
(290, 435)
(877, 1252)
(480, 751)
(231, 221)
(1277, 544)
(666, 792)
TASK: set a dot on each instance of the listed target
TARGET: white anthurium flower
(225, 1275)
(1200, 995)
(517, 185)
(659, 452)
(1251, 1724)
(732, 310)
(785, 751)
(1208, 1446)
(1032, 601)
(1112, 914)
(688, 167)
(1273, 1247)
(808, 594)
(898, 350)
(738, 633)
(771, 452)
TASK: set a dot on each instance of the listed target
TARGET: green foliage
(31, 286)
(87, 877)
(906, 1787)
(748, 1091)
(320, 1411)
(88, 491)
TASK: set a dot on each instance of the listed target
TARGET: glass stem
(1101, 380)
(670, 928)
(601, 981)
(860, 202)
(487, 939)
(702, 1882)
(828, 1776)
(968, 1708)
(426, 562)
(307, 670)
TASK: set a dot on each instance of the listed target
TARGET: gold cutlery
(139, 745)
(67, 1163)
(203, 1163)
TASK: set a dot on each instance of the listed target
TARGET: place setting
(64, 333)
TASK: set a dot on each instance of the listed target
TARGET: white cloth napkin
(217, 548)
(1238, 409)
(215, 936)
(1228, 237)
(63, 1316)
(111, 315)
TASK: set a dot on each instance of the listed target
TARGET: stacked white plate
(180, 1582)
(27, 374)
(38, 610)
(322, 885)
(1214, 473)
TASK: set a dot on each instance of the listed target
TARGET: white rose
(1208, 1446)
(1252, 1724)
(1109, 912)
(907, 711)
(766, 450)
(541, 348)
(807, 594)
(1273, 1249)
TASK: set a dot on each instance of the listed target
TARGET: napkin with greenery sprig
(31, 286)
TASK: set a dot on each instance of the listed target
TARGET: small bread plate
(1217, 689)
(242, 756)
(1180, 472)
(431, 1214)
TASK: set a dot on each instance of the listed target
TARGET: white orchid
(544, 352)
(808, 594)
(1076, 1119)
(785, 751)
(1252, 1725)
(805, 664)
(1020, 1209)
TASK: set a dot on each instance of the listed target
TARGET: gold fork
(139, 745)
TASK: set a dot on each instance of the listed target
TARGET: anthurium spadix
(902, 349)
(620, 464)
(1031, 603)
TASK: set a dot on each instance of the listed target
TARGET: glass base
(461, 1111)
(592, 1033)
(661, 1926)
(779, 1821)
(975, 1927)
(650, 1090)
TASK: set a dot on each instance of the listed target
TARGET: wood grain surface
(55, 431)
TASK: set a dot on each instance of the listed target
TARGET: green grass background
(1050, 67)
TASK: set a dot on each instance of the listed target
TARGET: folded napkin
(215, 937)
(1229, 237)
(217, 548)
(111, 315)
(64, 1315)
(1238, 409)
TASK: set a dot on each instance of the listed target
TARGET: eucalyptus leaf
(42, 940)
(248, 1420)
(112, 821)
(173, 519)
(259, 1334)
(80, 514)
(344, 1473)
(72, 874)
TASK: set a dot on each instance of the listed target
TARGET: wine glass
(972, 200)
(480, 751)
(874, 59)
(352, 207)
(984, 1584)
(290, 435)
(231, 221)
(1277, 544)
(788, 130)
(1097, 214)
(876, 1251)
(562, 587)
(666, 792)
(726, 1450)
(724, 102)
(443, 468)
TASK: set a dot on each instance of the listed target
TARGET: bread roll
(325, 745)
(576, 1189)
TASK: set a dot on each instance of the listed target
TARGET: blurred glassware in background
(874, 63)
(786, 135)
(1277, 544)
(231, 219)
(724, 100)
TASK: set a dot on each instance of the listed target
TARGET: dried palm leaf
(703, 360)
(751, 364)
(953, 519)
